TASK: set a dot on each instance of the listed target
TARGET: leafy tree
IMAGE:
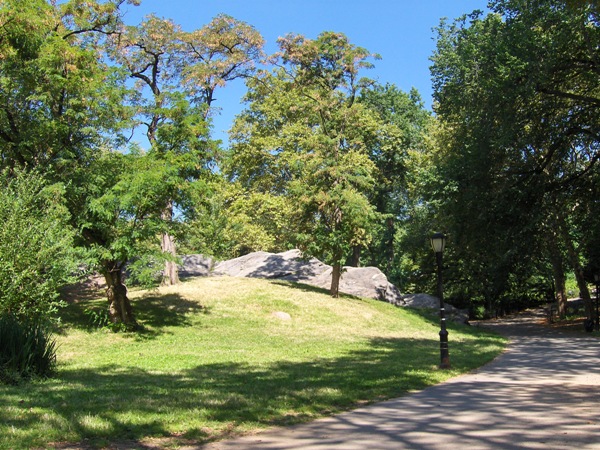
(63, 109)
(120, 200)
(305, 137)
(401, 138)
(176, 75)
(517, 94)
(222, 51)
(60, 102)
(51, 78)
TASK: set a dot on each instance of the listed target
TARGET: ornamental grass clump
(27, 350)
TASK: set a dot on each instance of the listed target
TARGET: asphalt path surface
(542, 393)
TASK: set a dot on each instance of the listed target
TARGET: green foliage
(229, 221)
(176, 74)
(256, 222)
(398, 151)
(516, 94)
(345, 217)
(120, 215)
(146, 267)
(36, 246)
(59, 99)
(98, 318)
(63, 108)
(305, 138)
(27, 350)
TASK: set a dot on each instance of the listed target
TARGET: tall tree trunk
(354, 260)
(338, 253)
(171, 273)
(119, 306)
(390, 245)
(558, 269)
(336, 274)
(561, 291)
(573, 256)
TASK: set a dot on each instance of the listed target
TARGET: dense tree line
(517, 94)
(322, 158)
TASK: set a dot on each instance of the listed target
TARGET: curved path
(544, 392)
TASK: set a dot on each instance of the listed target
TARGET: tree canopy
(517, 93)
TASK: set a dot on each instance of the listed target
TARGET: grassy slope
(214, 361)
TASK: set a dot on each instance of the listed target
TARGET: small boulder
(282, 315)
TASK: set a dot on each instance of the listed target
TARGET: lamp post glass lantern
(438, 243)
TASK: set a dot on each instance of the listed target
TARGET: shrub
(36, 246)
(27, 350)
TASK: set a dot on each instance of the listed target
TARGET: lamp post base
(444, 353)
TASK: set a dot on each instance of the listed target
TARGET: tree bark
(561, 292)
(171, 273)
(573, 256)
(390, 245)
(560, 288)
(355, 257)
(336, 274)
(119, 306)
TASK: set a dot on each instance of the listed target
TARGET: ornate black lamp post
(438, 242)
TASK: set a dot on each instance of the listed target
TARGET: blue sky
(399, 30)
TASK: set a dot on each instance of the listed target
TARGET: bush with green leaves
(36, 246)
(27, 350)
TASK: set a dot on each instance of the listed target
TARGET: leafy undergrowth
(214, 361)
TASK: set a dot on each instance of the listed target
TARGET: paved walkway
(544, 392)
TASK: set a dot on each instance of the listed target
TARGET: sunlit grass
(214, 361)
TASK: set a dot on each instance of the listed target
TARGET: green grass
(214, 362)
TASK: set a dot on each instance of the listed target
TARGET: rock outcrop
(431, 302)
(196, 266)
(367, 282)
(291, 266)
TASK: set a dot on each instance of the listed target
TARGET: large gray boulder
(430, 302)
(288, 265)
(291, 266)
(196, 266)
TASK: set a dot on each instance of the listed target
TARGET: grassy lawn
(214, 361)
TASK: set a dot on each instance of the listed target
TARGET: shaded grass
(214, 361)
